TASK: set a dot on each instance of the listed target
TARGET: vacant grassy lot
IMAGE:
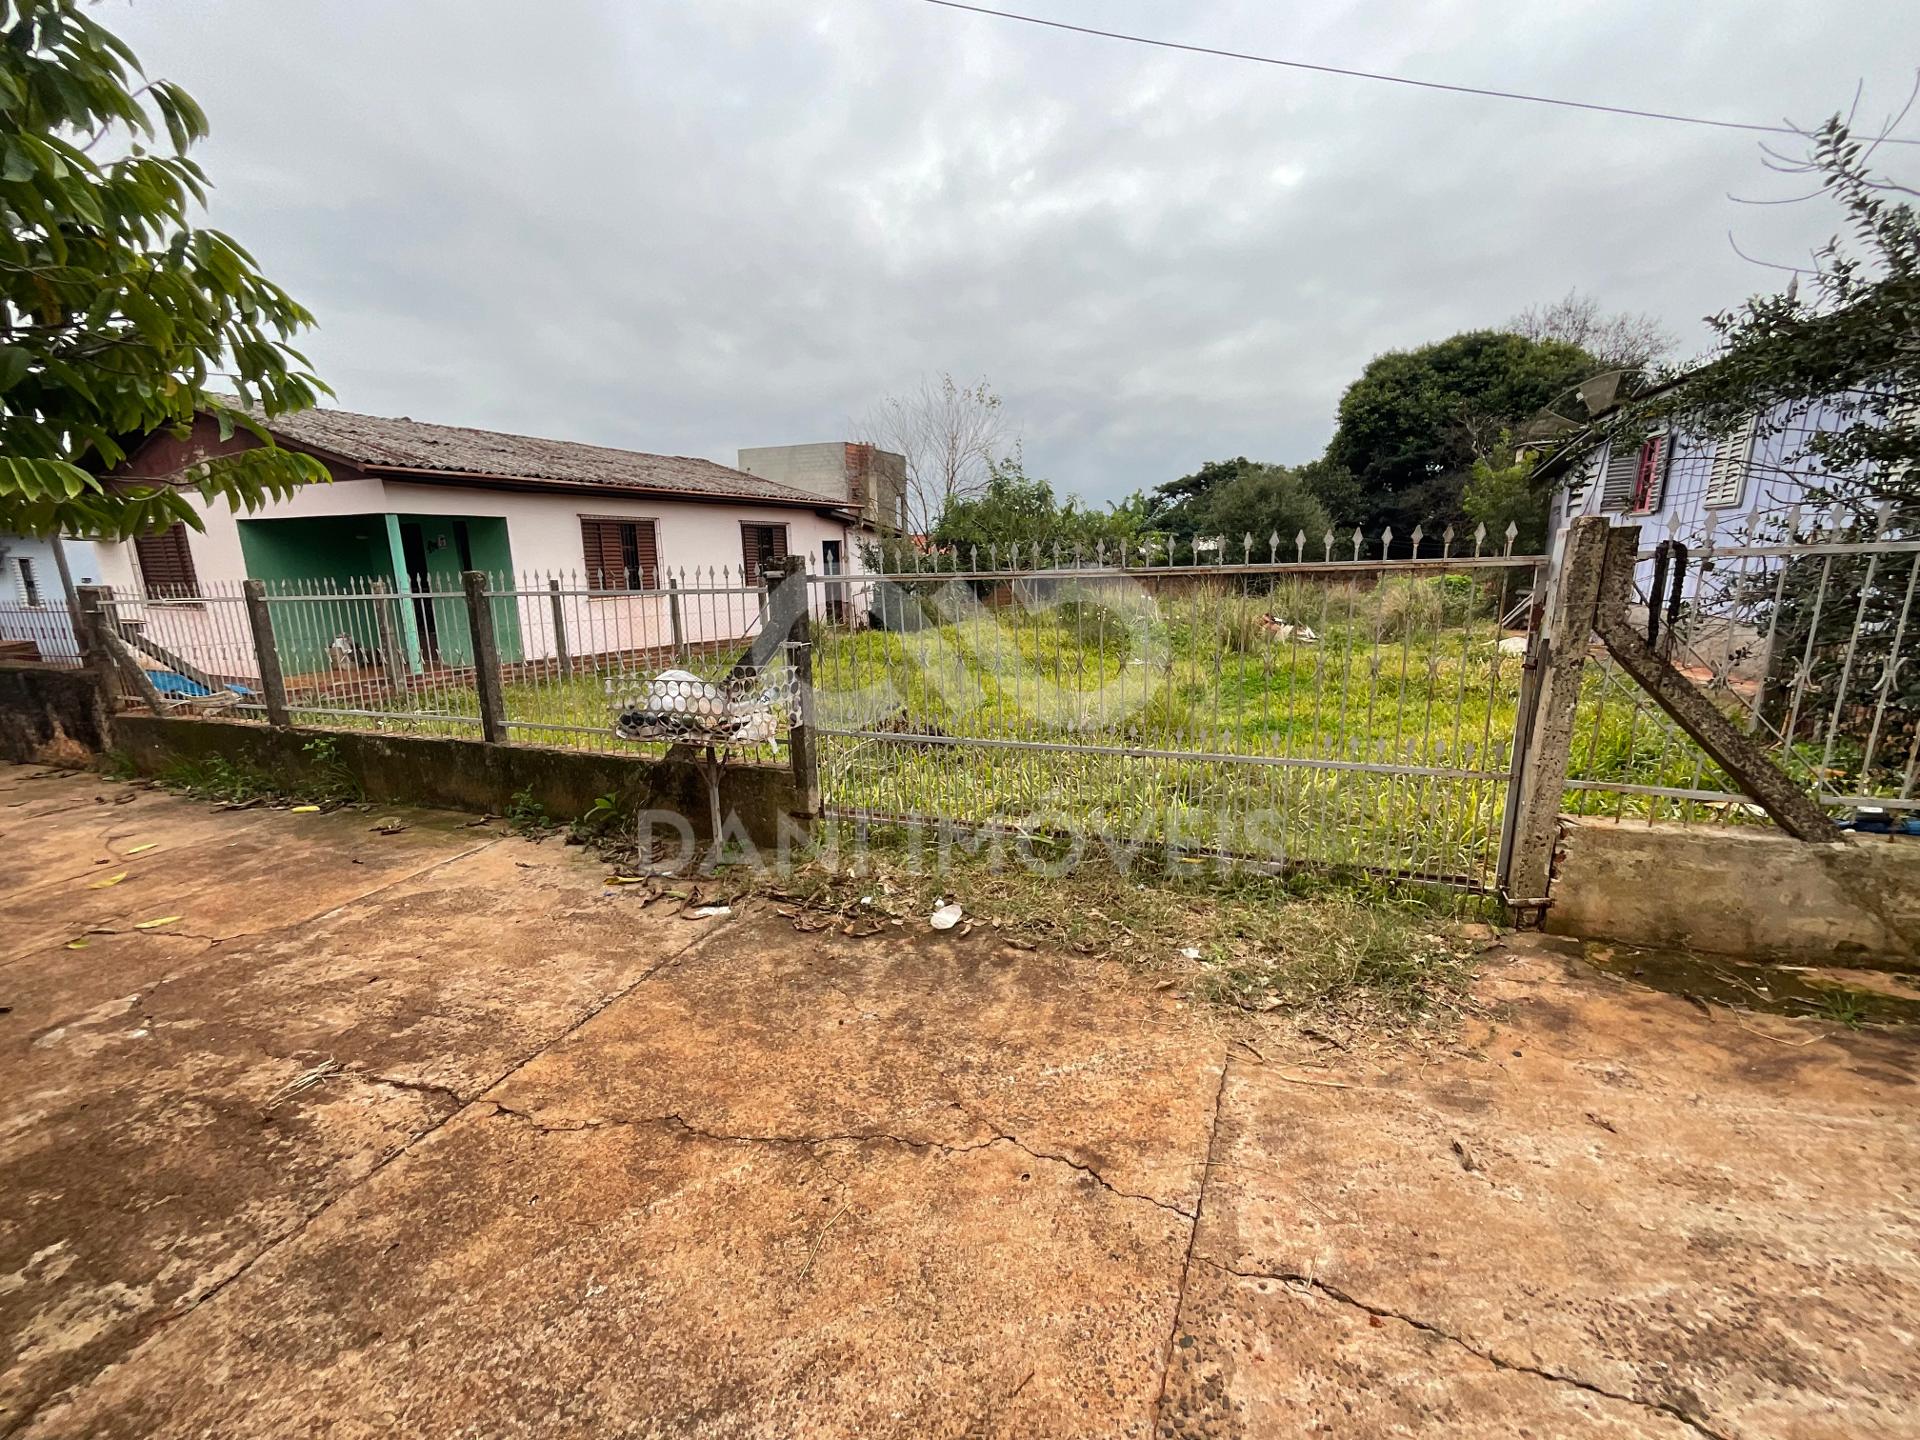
(1329, 721)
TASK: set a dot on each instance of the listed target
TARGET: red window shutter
(1652, 468)
(166, 564)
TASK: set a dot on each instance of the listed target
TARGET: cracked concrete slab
(156, 1139)
(101, 827)
(251, 880)
(473, 1143)
(1266, 1356)
(1613, 1189)
(1029, 1301)
(946, 1039)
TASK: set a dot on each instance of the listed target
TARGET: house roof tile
(378, 442)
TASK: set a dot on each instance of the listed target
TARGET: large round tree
(118, 315)
(1413, 424)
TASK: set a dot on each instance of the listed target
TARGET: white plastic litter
(946, 917)
(708, 912)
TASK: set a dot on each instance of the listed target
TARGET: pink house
(412, 505)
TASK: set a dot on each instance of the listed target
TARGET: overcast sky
(691, 225)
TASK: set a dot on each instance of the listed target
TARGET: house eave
(478, 480)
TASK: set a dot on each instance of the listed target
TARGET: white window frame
(31, 596)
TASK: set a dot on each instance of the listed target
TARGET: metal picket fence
(1346, 701)
(41, 633)
(1339, 701)
(545, 659)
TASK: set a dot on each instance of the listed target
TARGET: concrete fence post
(90, 603)
(1785, 799)
(393, 655)
(801, 743)
(486, 658)
(1561, 659)
(273, 683)
(561, 655)
(673, 615)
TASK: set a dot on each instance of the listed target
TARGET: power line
(1389, 79)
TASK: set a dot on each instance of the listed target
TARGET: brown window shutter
(762, 548)
(600, 546)
(620, 554)
(646, 544)
(166, 564)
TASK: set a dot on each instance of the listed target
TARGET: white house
(412, 505)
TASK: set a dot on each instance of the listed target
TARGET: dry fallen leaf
(626, 879)
(109, 880)
(156, 924)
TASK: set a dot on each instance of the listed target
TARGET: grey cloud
(692, 226)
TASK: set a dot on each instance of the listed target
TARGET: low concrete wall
(467, 774)
(50, 717)
(1747, 892)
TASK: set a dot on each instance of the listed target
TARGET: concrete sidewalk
(434, 1133)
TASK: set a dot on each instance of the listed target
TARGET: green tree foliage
(1179, 507)
(116, 312)
(1500, 495)
(1016, 509)
(1186, 506)
(1265, 501)
(1411, 427)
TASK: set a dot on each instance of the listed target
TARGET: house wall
(871, 480)
(1778, 472)
(700, 547)
(532, 536)
(50, 625)
(819, 469)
